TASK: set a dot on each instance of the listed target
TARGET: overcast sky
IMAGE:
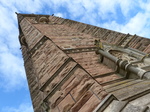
(127, 16)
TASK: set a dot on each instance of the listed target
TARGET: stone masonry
(65, 74)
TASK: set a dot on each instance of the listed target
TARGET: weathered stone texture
(106, 35)
(140, 43)
(147, 49)
(32, 35)
(47, 60)
(129, 90)
(72, 82)
(90, 105)
(141, 101)
(66, 104)
(82, 101)
(24, 53)
(107, 78)
(109, 63)
(77, 87)
(90, 61)
(60, 77)
(78, 31)
(65, 37)
(33, 83)
(81, 88)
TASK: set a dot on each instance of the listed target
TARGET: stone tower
(76, 67)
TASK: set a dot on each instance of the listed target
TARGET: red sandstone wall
(56, 78)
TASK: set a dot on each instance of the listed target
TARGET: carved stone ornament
(22, 40)
(122, 55)
(43, 20)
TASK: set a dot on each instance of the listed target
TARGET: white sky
(127, 16)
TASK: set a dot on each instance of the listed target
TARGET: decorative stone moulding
(22, 40)
(43, 20)
(125, 65)
(123, 55)
(79, 50)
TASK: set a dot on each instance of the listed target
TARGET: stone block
(60, 76)
(90, 105)
(82, 101)
(107, 78)
(99, 91)
(82, 88)
(66, 104)
(133, 91)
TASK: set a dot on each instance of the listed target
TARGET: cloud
(11, 64)
(60, 15)
(12, 71)
(22, 108)
(128, 5)
(22, 5)
(138, 24)
(145, 5)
